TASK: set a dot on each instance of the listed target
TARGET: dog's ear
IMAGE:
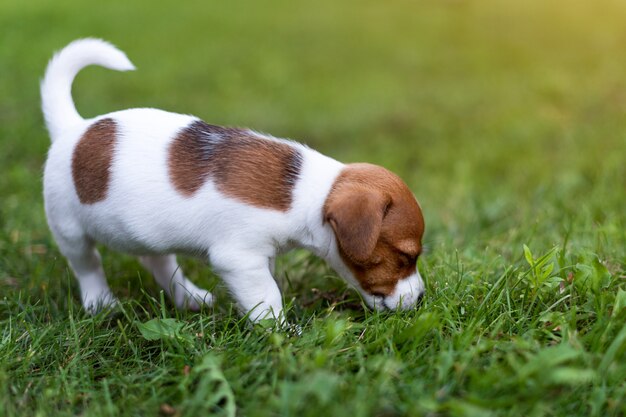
(356, 216)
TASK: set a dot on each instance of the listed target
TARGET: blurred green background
(506, 119)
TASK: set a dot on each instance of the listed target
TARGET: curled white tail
(56, 86)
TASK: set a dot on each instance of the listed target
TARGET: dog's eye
(406, 260)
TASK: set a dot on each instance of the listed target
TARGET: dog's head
(378, 226)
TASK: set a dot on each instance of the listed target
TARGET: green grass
(508, 121)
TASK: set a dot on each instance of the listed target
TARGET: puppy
(156, 184)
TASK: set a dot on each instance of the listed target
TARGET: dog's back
(124, 178)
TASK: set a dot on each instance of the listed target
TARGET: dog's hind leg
(169, 276)
(87, 266)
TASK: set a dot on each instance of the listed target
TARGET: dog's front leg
(251, 283)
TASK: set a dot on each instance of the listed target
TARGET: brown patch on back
(378, 225)
(92, 159)
(250, 168)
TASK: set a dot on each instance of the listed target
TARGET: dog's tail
(56, 86)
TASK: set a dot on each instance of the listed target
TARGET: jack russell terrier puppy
(156, 184)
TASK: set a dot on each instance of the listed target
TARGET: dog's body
(155, 183)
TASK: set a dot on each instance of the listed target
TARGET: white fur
(56, 87)
(407, 293)
(143, 214)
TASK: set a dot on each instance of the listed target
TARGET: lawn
(506, 118)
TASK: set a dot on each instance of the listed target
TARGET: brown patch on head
(92, 159)
(378, 225)
(256, 170)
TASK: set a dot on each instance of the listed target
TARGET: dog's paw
(193, 298)
(99, 302)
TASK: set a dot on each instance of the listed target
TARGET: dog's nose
(419, 300)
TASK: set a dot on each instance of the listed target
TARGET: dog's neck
(317, 177)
